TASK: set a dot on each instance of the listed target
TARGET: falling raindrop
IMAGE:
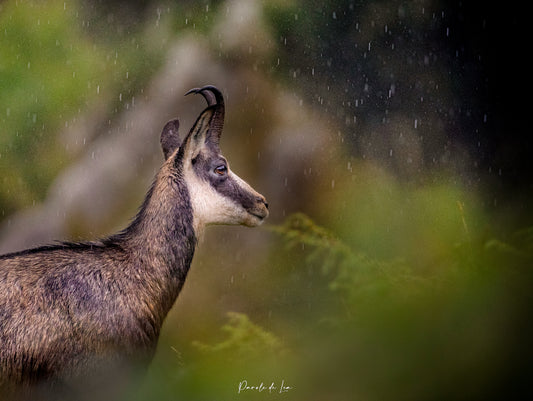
(392, 90)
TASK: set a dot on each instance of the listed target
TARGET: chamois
(72, 310)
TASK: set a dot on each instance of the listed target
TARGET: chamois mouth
(258, 216)
(261, 217)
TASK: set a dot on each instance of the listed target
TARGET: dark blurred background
(389, 137)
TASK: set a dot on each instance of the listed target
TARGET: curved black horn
(215, 99)
(210, 93)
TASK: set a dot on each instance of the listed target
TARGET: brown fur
(73, 313)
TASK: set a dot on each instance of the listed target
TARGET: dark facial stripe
(204, 166)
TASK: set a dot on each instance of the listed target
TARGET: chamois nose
(262, 199)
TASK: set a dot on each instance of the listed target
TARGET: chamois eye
(221, 170)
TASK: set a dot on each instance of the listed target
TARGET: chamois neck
(160, 243)
(162, 234)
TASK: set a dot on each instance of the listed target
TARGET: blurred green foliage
(344, 324)
(244, 338)
(51, 72)
(451, 331)
(48, 72)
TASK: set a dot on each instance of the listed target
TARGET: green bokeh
(48, 72)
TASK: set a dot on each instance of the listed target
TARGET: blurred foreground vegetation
(349, 320)
(403, 280)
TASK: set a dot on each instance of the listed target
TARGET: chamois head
(217, 195)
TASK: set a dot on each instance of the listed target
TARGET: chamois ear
(170, 139)
(198, 135)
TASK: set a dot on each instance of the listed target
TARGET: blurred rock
(241, 31)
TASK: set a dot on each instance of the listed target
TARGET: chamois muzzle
(259, 211)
